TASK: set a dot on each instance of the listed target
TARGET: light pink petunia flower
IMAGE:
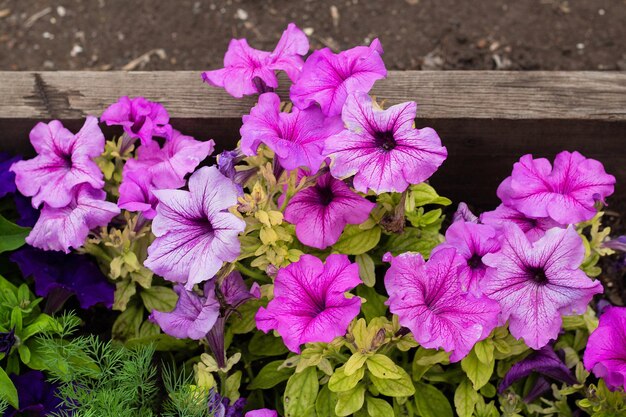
(139, 117)
(64, 162)
(251, 71)
(533, 228)
(381, 148)
(536, 283)
(68, 227)
(136, 193)
(309, 303)
(321, 212)
(195, 231)
(428, 299)
(328, 78)
(605, 354)
(565, 192)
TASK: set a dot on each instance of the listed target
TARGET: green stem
(250, 272)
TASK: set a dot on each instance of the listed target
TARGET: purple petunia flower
(64, 162)
(533, 228)
(322, 211)
(309, 304)
(429, 300)
(139, 117)
(195, 231)
(464, 213)
(382, 148)
(7, 177)
(619, 243)
(328, 78)
(536, 283)
(7, 341)
(67, 227)
(37, 397)
(250, 71)
(221, 407)
(565, 192)
(263, 412)
(605, 354)
(297, 138)
(472, 241)
(136, 193)
(28, 214)
(62, 275)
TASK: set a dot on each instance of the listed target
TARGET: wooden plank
(440, 94)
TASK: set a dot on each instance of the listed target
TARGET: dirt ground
(416, 34)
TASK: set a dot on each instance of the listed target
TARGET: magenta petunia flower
(565, 192)
(68, 227)
(64, 162)
(195, 231)
(297, 138)
(263, 412)
(328, 78)
(309, 303)
(533, 228)
(250, 71)
(139, 117)
(472, 241)
(428, 299)
(193, 317)
(605, 354)
(322, 211)
(136, 193)
(464, 213)
(536, 283)
(382, 148)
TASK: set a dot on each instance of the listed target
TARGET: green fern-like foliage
(185, 399)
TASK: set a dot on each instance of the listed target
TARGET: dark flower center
(538, 275)
(475, 262)
(325, 194)
(385, 140)
(136, 127)
(67, 159)
(204, 223)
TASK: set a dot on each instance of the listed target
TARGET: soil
(416, 34)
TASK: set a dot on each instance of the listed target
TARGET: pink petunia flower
(472, 241)
(251, 71)
(262, 412)
(565, 192)
(464, 213)
(63, 228)
(297, 138)
(139, 117)
(136, 193)
(321, 212)
(381, 148)
(195, 231)
(533, 228)
(64, 162)
(538, 282)
(605, 354)
(428, 299)
(328, 78)
(309, 304)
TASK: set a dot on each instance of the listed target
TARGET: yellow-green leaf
(355, 241)
(300, 393)
(465, 399)
(431, 402)
(349, 402)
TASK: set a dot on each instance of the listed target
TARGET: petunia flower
(250, 71)
(7, 177)
(297, 138)
(195, 231)
(605, 354)
(263, 412)
(136, 193)
(565, 192)
(309, 303)
(533, 228)
(381, 148)
(464, 213)
(58, 276)
(428, 299)
(328, 78)
(536, 283)
(64, 162)
(619, 243)
(37, 397)
(220, 406)
(321, 212)
(140, 118)
(68, 227)
(472, 241)
(7, 341)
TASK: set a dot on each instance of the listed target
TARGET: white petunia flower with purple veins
(533, 228)
(195, 231)
(381, 148)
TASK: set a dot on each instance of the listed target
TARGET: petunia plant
(310, 271)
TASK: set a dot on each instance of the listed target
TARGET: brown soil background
(416, 34)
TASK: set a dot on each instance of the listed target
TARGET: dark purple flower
(28, 214)
(58, 276)
(37, 397)
(7, 340)
(220, 406)
(7, 178)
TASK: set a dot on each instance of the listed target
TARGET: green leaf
(158, 298)
(24, 353)
(300, 393)
(349, 402)
(478, 372)
(356, 361)
(42, 323)
(402, 387)
(11, 235)
(325, 403)
(423, 194)
(425, 359)
(355, 241)
(367, 270)
(244, 321)
(374, 306)
(431, 402)
(127, 324)
(124, 290)
(232, 386)
(263, 344)
(377, 407)
(383, 367)
(270, 375)
(340, 382)
(7, 390)
(484, 351)
(465, 399)
(413, 240)
(162, 342)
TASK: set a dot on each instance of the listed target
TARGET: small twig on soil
(144, 59)
(34, 18)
